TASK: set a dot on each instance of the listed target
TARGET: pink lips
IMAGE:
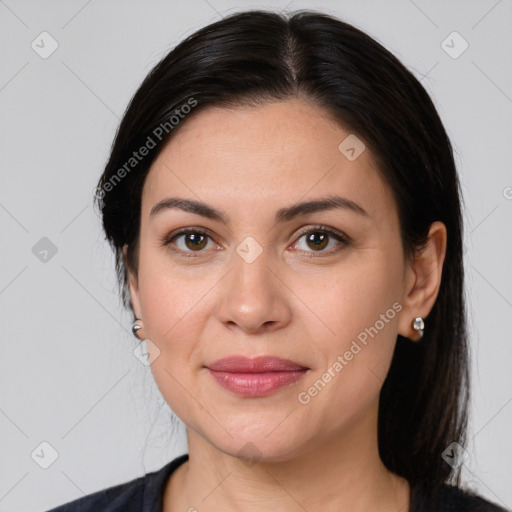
(255, 377)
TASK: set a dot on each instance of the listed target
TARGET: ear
(133, 286)
(422, 281)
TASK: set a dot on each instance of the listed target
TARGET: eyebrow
(282, 215)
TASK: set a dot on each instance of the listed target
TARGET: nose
(253, 298)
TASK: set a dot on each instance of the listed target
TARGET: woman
(284, 207)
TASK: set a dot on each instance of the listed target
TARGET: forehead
(273, 154)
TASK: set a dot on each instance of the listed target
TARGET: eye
(320, 239)
(189, 241)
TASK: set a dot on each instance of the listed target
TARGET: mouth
(255, 377)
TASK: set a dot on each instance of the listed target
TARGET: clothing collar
(154, 485)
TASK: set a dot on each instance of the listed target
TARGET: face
(257, 275)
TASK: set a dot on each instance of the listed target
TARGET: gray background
(68, 375)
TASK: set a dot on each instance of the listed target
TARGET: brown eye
(189, 241)
(321, 240)
(195, 241)
(317, 240)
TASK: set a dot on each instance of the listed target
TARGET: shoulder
(468, 500)
(142, 493)
(126, 496)
(449, 498)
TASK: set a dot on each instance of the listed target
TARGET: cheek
(169, 295)
(176, 308)
(353, 297)
(360, 305)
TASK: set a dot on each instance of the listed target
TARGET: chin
(253, 445)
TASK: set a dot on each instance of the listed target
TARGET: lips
(255, 377)
(261, 364)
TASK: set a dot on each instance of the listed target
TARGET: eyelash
(343, 240)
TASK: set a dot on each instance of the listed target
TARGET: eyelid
(320, 227)
(190, 229)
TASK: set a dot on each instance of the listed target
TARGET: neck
(343, 473)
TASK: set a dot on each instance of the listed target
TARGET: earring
(418, 324)
(136, 327)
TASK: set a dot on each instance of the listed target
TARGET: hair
(254, 57)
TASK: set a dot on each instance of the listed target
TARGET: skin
(293, 301)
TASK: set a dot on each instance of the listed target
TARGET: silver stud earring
(136, 327)
(418, 324)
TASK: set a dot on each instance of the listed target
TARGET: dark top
(145, 494)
